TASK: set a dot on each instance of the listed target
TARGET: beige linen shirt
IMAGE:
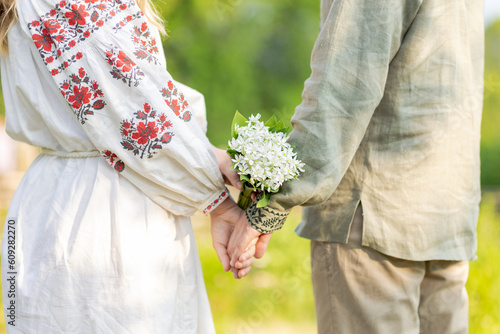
(390, 118)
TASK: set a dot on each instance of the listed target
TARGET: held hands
(234, 240)
(243, 236)
(223, 218)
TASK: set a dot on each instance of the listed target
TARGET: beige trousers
(359, 290)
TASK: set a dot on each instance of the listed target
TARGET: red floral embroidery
(146, 132)
(176, 101)
(146, 47)
(77, 14)
(124, 61)
(113, 161)
(216, 202)
(71, 22)
(52, 26)
(125, 20)
(124, 68)
(83, 95)
(80, 96)
(43, 40)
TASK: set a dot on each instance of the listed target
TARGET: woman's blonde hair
(8, 17)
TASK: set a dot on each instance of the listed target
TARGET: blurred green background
(254, 56)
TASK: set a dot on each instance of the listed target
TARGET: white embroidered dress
(98, 238)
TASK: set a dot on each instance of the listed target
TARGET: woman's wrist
(223, 196)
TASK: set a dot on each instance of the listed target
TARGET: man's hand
(259, 249)
(241, 239)
(230, 176)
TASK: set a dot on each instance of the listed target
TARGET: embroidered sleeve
(265, 219)
(215, 203)
(104, 58)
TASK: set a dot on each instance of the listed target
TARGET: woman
(98, 238)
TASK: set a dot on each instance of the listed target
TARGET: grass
(277, 296)
(484, 278)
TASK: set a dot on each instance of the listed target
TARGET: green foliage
(277, 125)
(490, 134)
(247, 55)
(238, 120)
(484, 278)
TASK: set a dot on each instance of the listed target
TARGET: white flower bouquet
(262, 157)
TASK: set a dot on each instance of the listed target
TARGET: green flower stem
(245, 198)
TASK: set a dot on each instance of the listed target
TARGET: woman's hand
(223, 219)
(230, 176)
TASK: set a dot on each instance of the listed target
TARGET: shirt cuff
(265, 219)
(215, 203)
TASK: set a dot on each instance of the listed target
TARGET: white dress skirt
(98, 237)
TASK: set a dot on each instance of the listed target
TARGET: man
(389, 132)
